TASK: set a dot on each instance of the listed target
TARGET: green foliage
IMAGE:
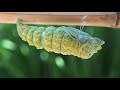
(19, 60)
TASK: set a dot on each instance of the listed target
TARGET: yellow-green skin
(64, 40)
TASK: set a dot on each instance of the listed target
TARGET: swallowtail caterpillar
(64, 40)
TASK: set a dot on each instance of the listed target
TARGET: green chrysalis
(64, 40)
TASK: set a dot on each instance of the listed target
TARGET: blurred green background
(19, 60)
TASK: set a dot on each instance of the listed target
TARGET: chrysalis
(64, 40)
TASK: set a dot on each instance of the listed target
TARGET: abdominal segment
(48, 38)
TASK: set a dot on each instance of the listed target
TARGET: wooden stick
(100, 19)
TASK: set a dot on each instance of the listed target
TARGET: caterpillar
(64, 39)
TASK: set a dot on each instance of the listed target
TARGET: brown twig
(101, 19)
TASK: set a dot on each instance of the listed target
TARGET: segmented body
(64, 40)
